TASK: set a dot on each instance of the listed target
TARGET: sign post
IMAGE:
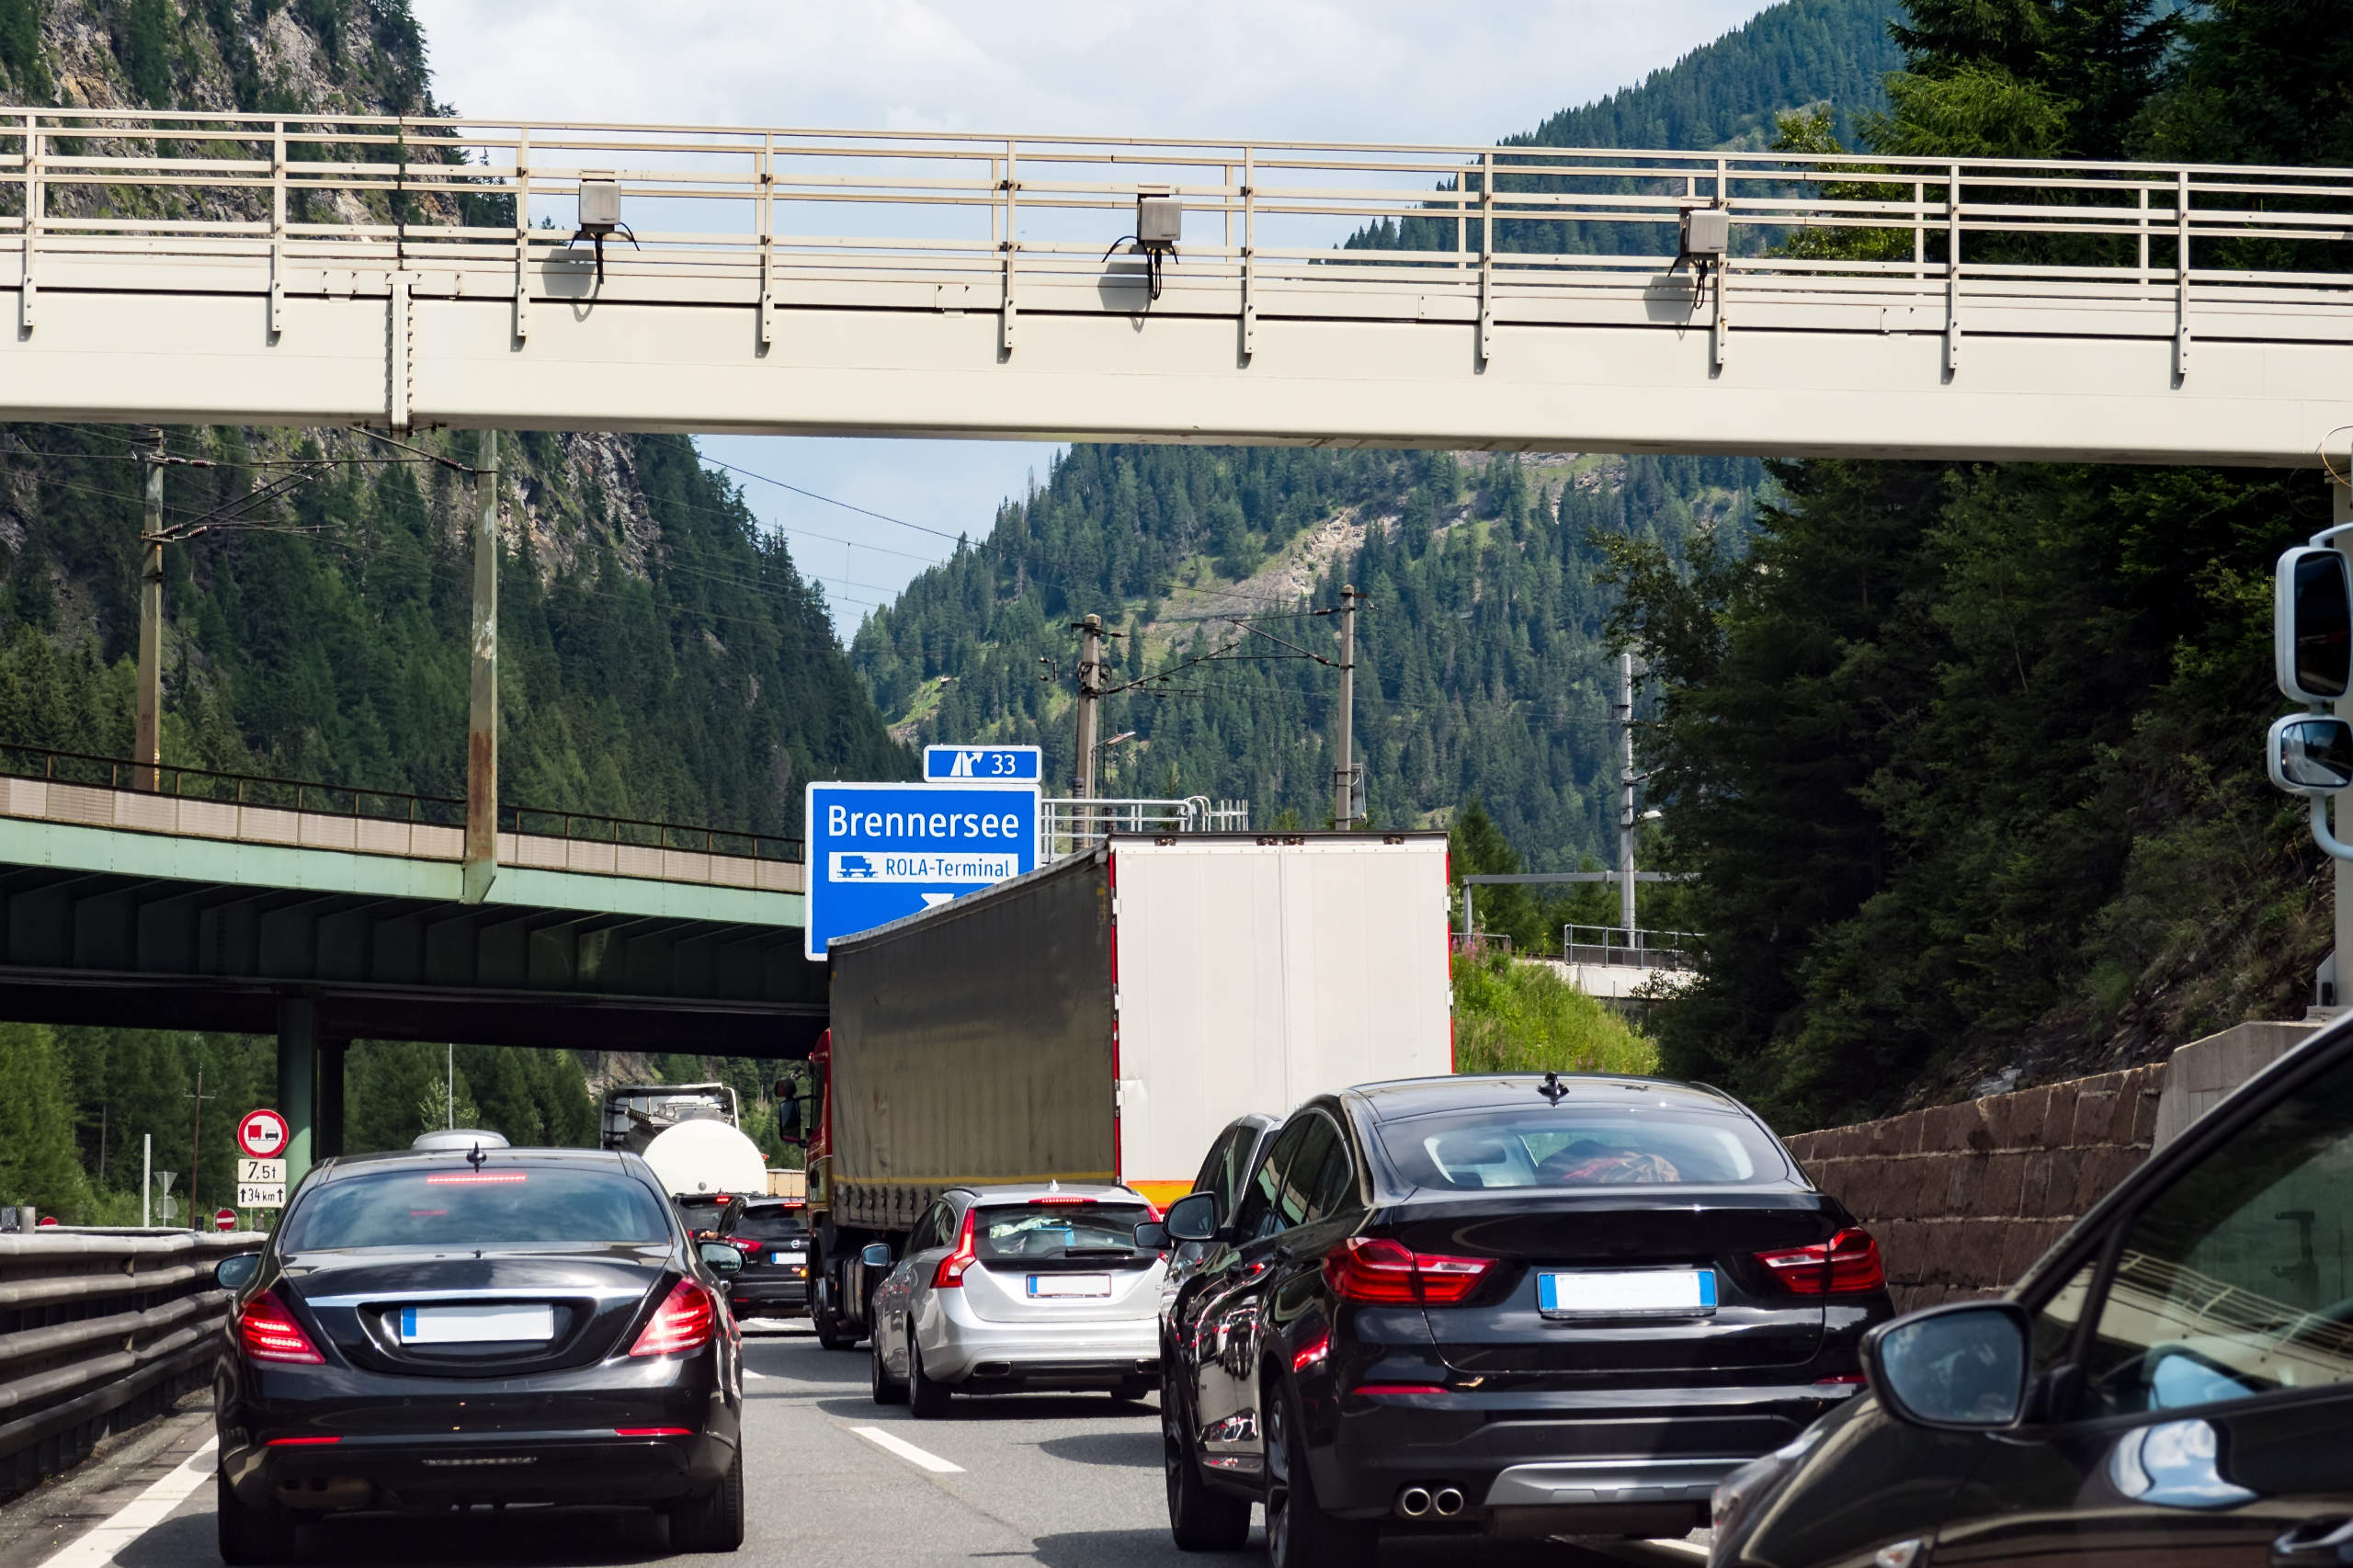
(882, 852)
(984, 765)
(261, 1174)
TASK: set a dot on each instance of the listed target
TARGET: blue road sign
(991, 764)
(881, 852)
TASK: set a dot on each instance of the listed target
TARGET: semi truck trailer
(1101, 1019)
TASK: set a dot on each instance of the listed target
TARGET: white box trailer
(1104, 1017)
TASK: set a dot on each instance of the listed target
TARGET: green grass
(1518, 1017)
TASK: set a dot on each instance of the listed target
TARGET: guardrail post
(1487, 258)
(767, 239)
(1249, 253)
(35, 197)
(2181, 276)
(481, 726)
(522, 233)
(1953, 272)
(1011, 186)
(278, 228)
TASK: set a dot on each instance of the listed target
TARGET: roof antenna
(1553, 1089)
(473, 1156)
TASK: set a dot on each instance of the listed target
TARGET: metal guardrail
(1616, 946)
(1066, 827)
(381, 805)
(979, 218)
(100, 1329)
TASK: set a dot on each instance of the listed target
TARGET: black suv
(1519, 1305)
(773, 1236)
(2173, 1383)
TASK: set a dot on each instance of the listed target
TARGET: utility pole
(1090, 693)
(1343, 773)
(1626, 797)
(146, 1179)
(196, 1144)
(147, 724)
(482, 723)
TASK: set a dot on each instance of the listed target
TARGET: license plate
(788, 1257)
(502, 1320)
(1070, 1285)
(1622, 1292)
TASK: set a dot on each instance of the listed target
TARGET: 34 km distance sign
(261, 1134)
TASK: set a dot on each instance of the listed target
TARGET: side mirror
(1192, 1218)
(1957, 1367)
(2310, 754)
(723, 1257)
(236, 1273)
(875, 1254)
(2312, 624)
(1152, 1237)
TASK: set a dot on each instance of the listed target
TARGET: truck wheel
(926, 1400)
(831, 1334)
(887, 1389)
(250, 1537)
(1199, 1519)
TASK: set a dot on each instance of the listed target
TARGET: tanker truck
(689, 1134)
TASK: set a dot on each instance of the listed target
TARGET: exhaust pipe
(1413, 1502)
(1446, 1502)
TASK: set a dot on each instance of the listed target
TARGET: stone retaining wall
(1962, 1197)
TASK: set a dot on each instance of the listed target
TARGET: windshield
(1043, 1232)
(770, 1225)
(496, 1204)
(1648, 1144)
(702, 1215)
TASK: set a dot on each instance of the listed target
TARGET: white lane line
(98, 1546)
(901, 1447)
(749, 1373)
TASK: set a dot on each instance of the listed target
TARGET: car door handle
(2314, 1542)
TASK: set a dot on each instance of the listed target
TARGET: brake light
(950, 1274)
(474, 1178)
(1378, 1271)
(683, 1322)
(1847, 1264)
(300, 1442)
(654, 1432)
(268, 1332)
(1057, 1198)
(1373, 1391)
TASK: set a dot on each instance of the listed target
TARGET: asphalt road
(1066, 1482)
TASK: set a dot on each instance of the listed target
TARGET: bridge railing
(1617, 947)
(954, 221)
(381, 805)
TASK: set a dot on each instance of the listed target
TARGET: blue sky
(1372, 70)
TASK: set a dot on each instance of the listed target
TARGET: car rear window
(460, 1207)
(770, 1224)
(1645, 1145)
(1044, 1232)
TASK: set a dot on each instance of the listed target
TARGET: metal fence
(1616, 946)
(1065, 827)
(100, 1329)
(380, 805)
(970, 220)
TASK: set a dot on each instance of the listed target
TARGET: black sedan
(2173, 1383)
(502, 1325)
(1515, 1305)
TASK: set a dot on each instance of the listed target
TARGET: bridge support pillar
(327, 1138)
(298, 1045)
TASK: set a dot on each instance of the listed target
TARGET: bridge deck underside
(152, 952)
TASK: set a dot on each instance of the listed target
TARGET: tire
(1199, 1519)
(926, 1400)
(1129, 1393)
(1300, 1534)
(250, 1537)
(887, 1389)
(832, 1333)
(713, 1520)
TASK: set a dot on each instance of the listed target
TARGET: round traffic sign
(226, 1220)
(262, 1134)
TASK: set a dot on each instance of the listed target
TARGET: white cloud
(1303, 70)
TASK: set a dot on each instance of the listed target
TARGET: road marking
(893, 1445)
(98, 1546)
(749, 1373)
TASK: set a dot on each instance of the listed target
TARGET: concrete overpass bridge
(307, 270)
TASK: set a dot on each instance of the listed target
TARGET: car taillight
(268, 1332)
(950, 1274)
(683, 1322)
(1378, 1271)
(1847, 1264)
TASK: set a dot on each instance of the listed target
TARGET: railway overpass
(404, 273)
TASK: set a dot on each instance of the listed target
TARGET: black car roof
(1421, 1097)
(396, 1159)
